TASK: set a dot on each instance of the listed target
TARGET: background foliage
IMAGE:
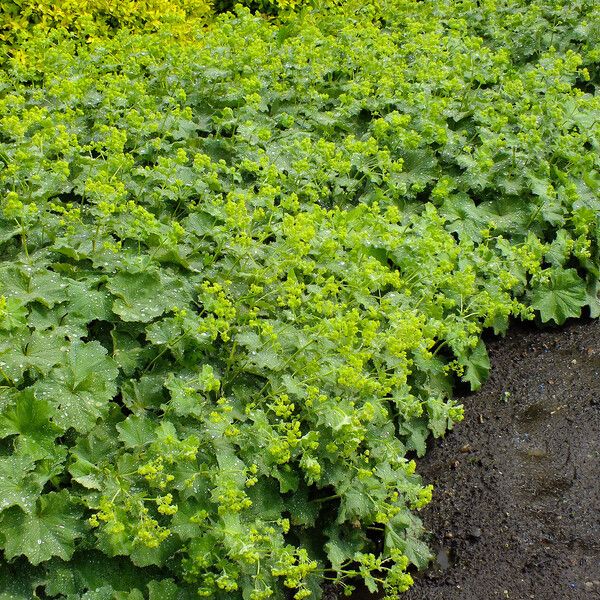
(86, 18)
(241, 269)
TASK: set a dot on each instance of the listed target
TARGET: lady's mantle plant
(240, 272)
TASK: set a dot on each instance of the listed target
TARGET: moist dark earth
(516, 507)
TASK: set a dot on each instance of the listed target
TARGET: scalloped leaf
(80, 390)
(562, 297)
(49, 530)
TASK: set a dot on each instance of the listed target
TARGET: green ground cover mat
(244, 258)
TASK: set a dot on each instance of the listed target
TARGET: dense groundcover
(243, 259)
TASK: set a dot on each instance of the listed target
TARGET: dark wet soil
(516, 509)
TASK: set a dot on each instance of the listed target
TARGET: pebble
(536, 453)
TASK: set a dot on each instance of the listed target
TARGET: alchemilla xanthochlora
(244, 257)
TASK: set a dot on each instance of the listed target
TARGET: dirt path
(516, 513)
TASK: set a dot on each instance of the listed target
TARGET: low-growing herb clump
(241, 270)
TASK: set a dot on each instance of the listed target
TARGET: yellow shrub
(92, 17)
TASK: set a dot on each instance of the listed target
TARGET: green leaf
(303, 511)
(26, 415)
(13, 314)
(417, 552)
(186, 398)
(463, 216)
(18, 580)
(8, 231)
(414, 433)
(50, 530)
(163, 590)
(144, 296)
(136, 431)
(138, 296)
(105, 592)
(508, 213)
(37, 351)
(199, 223)
(144, 394)
(29, 418)
(19, 486)
(165, 332)
(562, 297)
(336, 417)
(42, 286)
(477, 366)
(92, 570)
(359, 498)
(404, 532)
(80, 390)
(267, 358)
(287, 477)
(558, 253)
(593, 296)
(437, 411)
(59, 320)
(89, 303)
(182, 525)
(90, 455)
(343, 544)
(142, 556)
(420, 166)
(127, 351)
(549, 206)
(266, 500)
